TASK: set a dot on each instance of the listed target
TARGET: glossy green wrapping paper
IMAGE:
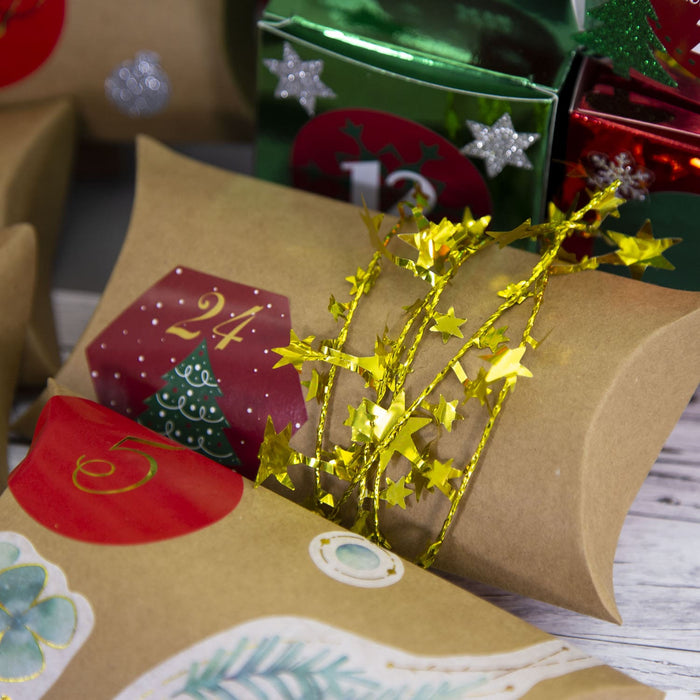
(369, 99)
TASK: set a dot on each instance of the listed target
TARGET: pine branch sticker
(623, 33)
(186, 409)
(297, 658)
(272, 666)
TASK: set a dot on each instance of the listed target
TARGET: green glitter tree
(186, 410)
(623, 34)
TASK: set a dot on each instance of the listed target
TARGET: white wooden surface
(656, 574)
(657, 566)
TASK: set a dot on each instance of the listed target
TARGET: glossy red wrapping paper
(660, 130)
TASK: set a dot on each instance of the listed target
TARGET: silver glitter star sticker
(499, 145)
(297, 78)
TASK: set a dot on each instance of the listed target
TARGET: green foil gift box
(370, 99)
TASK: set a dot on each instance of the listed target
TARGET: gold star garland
(383, 429)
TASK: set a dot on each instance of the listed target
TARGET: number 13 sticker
(191, 359)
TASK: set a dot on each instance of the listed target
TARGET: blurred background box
(37, 142)
(648, 136)
(181, 70)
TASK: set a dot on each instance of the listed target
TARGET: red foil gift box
(647, 136)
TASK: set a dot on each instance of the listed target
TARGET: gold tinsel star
(445, 412)
(493, 338)
(477, 388)
(275, 455)
(505, 364)
(642, 250)
(448, 324)
(439, 475)
(396, 492)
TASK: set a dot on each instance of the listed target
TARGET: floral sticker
(352, 559)
(294, 657)
(42, 623)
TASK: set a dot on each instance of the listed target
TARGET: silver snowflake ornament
(297, 78)
(634, 179)
(139, 88)
(499, 145)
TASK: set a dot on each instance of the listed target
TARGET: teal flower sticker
(28, 621)
(9, 554)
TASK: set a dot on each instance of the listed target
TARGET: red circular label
(29, 31)
(356, 154)
(96, 476)
(678, 29)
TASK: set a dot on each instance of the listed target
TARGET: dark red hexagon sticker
(192, 359)
(29, 32)
(356, 154)
(96, 476)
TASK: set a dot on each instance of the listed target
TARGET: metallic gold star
(448, 324)
(439, 475)
(643, 250)
(493, 338)
(445, 412)
(275, 456)
(478, 388)
(505, 364)
(396, 492)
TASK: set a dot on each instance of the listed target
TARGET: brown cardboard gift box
(574, 443)
(17, 264)
(210, 74)
(36, 142)
(260, 598)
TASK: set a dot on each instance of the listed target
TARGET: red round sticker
(96, 476)
(356, 154)
(29, 32)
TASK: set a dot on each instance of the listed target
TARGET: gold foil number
(226, 338)
(82, 469)
(204, 303)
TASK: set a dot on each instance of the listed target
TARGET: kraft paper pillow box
(177, 69)
(36, 143)
(149, 583)
(648, 135)
(369, 100)
(571, 447)
(17, 269)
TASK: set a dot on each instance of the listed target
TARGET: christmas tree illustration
(623, 33)
(186, 409)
